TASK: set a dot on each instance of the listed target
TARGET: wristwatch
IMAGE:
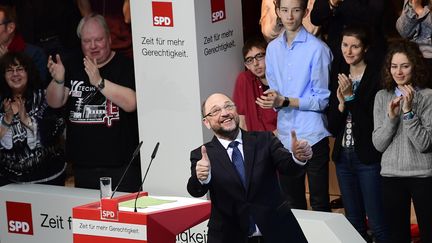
(286, 102)
(101, 84)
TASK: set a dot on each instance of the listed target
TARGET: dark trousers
(397, 195)
(318, 177)
(89, 177)
(257, 239)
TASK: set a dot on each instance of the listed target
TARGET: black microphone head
(137, 150)
(155, 150)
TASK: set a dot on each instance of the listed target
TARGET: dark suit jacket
(232, 205)
(361, 109)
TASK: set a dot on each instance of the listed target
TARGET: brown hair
(257, 42)
(303, 3)
(419, 76)
(9, 14)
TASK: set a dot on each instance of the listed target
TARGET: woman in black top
(353, 84)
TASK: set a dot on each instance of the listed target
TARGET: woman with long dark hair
(30, 151)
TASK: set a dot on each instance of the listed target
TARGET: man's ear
(206, 123)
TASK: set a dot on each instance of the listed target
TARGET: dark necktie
(238, 162)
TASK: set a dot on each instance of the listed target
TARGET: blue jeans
(360, 185)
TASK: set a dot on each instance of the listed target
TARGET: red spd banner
(162, 14)
(109, 209)
(217, 10)
(19, 218)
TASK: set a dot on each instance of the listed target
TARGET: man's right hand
(203, 165)
(56, 69)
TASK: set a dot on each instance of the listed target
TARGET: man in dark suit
(247, 205)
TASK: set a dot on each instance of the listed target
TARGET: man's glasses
(217, 110)
(17, 69)
(249, 60)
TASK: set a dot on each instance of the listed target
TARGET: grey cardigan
(416, 28)
(406, 144)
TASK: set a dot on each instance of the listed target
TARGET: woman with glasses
(354, 83)
(403, 132)
(30, 151)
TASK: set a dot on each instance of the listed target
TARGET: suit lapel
(249, 143)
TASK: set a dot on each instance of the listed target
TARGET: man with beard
(239, 168)
(250, 85)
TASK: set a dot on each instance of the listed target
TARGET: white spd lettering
(218, 15)
(160, 20)
(108, 214)
(18, 226)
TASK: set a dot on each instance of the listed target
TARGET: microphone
(134, 155)
(145, 175)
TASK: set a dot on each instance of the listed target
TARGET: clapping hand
(92, 70)
(56, 69)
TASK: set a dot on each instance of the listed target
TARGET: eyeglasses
(249, 60)
(17, 69)
(217, 110)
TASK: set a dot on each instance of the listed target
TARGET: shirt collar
(398, 92)
(300, 37)
(225, 142)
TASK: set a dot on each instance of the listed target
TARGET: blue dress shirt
(301, 71)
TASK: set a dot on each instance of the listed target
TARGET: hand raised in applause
(92, 70)
(393, 108)
(345, 85)
(203, 165)
(56, 69)
(300, 148)
(408, 96)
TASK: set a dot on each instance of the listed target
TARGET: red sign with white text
(217, 10)
(109, 209)
(19, 218)
(162, 14)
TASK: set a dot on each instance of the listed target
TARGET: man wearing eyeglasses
(250, 85)
(239, 168)
(12, 41)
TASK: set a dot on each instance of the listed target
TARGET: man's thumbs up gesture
(203, 165)
(300, 148)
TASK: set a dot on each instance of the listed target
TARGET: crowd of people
(333, 75)
(342, 77)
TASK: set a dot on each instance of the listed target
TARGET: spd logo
(217, 10)
(19, 218)
(162, 14)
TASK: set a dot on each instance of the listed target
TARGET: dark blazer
(361, 109)
(232, 205)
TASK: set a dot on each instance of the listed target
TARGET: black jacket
(232, 205)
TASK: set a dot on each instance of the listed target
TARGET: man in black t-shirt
(102, 129)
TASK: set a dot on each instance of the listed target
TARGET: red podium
(155, 224)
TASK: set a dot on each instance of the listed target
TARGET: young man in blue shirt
(298, 66)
